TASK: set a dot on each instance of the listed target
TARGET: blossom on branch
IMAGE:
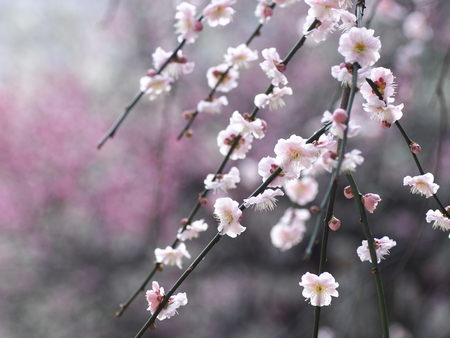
(213, 105)
(273, 66)
(295, 153)
(186, 24)
(338, 126)
(171, 256)
(322, 29)
(178, 64)
(156, 296)
(325, 10)
(387, 114)
(303, 190)
(359, 45)
(218, 12)
(349, 162)
(384, 81)
(290, 229)
(263, 11)
(240, 56)
(344, 74)
(192, 230)
(440, 220)
(422, 184)
(319, 289)
(226, 139)
(223, 181)
(382, 247)
(247, 125)
(229, 215)
(264, 201)
(229, 82)
(268, 165)
(154, 85)
(370, 201)
(274, 100)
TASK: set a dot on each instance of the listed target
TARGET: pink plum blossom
(273, 67)
(186, 24)
(171, 256)
(324, 9)
(290, 229)
(156, 296)
(219, 12)
(241, 56)
(155, 85)
(348, 21)
(422, 184)
(338, 126)
(370, 201)
(223, 181)
(387, 114)
(229, 215)
(263, 11)
(303, 190)
(246, 125)
(344, 74)
(229, 82)
(382, 247)
(349, 162)
(359, 45)
(192, 230)
(319, 289)
(213, 105)
(178, 64)
(264, 201)
(321, 30)
(226, 139)
(384, 80)
(274, 100)
(295, 152)
(440, 220)
(268, 165)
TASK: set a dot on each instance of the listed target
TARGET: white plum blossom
(156, 296)
(422, 184)
(273, 66)
(192, 230)
(359, 45)
(178, 64)
(382, 247)
(264, 201)
(349, 162)
(223, 181)
(186, 24)
(241, 56)
(245, 125)
(324, 10)
(384, 80)
(213, 105)
(440, 220)
(344, 74)
(219, 12)
(289, 231)
(263, 11)
(229, 215)
(170, 256)
(268, 165)
(338, 126)
(303, 190)
(295, 152)
(154, 85)
(321, 30)
(387, 114)
(226, 139)
(229, 82)
(274, 100)
(319, 289)
(348, 21)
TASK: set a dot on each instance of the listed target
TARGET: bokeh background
(79, 225)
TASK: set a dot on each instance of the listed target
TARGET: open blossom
(273, 66)
(440, 220)
(319, 289)
(382, 247)
(303, 190)
(192, 230)
(226, 139)
(359, 45)
(178, 64)
(156, 296)
(387, 114)
(186, 23)
(274, 100)
(263, 11)
(348, 21)
(219, 12)
(229, 215)
(422, 184)
(295, 152)
(268, 165)
(349, 162)
(325, 9)
(155, 85)
(289, 231)
(240, 56)
(213, 105)
(384, 80)
(229, 82)
(344, 74)
(264, 201)
(246, 125)
(171, 256)
(338, 126)
(321, 30)
(370, 201)
(223, 181)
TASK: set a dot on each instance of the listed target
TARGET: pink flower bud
(151, 72)
(314, 209)
(187, 114)
(370, 201)
(385, 125)
(415, 147)
(198, 26)
(184, 221)
(203, 201)
(340, 115)
(281, 67)
(334, 223)
(348, 192)
(268, 11)
(240, 218)
(188, 133)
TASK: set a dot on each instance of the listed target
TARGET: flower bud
(198, 26)
(334, 223)
(415, 147)
(183, 222)
(188, 133)
(160, 267)
(370, 201)
(187, 114)
(240, 218)
(203, 201)
(268, 11)
(281, 67)
(348, 192)
(152, 326)
(151, 72)
(385, 125)
(314, 209)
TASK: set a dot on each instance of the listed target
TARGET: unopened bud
(348, 192)
(268, 11)
(415, 147)
(385, 125)
(188, 133)
(160, 266)
(334, 223)
(198, 26)
(184, 221)
(448, 209)
(187, 114)
(281, 67)
(314, 209)
(151, 72)
(203, 201)
(247, 117)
